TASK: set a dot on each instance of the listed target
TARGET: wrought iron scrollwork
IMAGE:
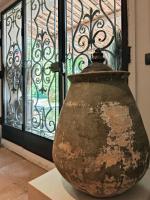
(13, 67)
(89, 26)
(96, 29)
(43, 78)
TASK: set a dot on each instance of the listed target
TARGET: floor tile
(15, 173)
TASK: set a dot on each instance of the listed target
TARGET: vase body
(101, 146)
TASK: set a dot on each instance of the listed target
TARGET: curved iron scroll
(13, 67)
(96, 28)
(43, 80)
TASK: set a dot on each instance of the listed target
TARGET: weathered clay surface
(101, 146)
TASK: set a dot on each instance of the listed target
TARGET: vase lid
(97, 63)
(98, 71)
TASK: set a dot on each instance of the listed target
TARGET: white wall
(139, 40)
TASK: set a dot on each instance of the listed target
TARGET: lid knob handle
(98, 56)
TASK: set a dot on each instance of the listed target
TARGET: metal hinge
(1, 120)
(0, 34)
(128, 54)
(23, 127)
(1, 74)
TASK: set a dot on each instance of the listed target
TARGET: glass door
(30, 84)
(91, 25)
(12, 62)
(41, 83)
(43, 41)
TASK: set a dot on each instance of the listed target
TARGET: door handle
(55, 67)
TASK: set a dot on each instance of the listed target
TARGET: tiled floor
(15, 173)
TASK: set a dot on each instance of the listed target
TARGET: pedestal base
(51, 186)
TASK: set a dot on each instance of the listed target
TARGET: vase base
(51, 186)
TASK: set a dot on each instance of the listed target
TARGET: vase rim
(98, 76)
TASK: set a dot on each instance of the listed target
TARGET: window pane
(42, 103)
(12, 61)
(93, 24)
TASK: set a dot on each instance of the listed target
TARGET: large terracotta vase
(101, 146)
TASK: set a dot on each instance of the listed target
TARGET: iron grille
(46, 40)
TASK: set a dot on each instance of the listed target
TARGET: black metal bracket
(1, 120)
(128, 54)
(1, 74)
(147, 59)
(55, 67)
